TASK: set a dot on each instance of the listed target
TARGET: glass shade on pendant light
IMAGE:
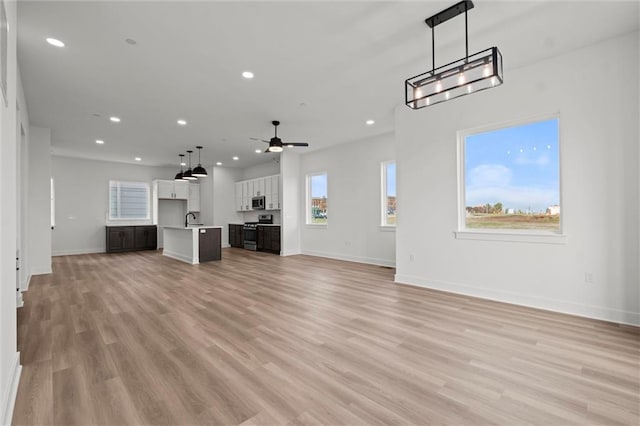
(180, 174)
(471, 74)
(480, 71)
(199, 171)
(188, 174)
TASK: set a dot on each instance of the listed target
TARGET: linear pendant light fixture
(199, 171)
(180, 175)
(188, 175)
(473, 73)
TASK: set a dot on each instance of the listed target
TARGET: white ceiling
(321, 68)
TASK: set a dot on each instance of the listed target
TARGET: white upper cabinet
(172, 190)
(268, 187)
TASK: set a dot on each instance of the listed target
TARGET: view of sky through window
(517, 167)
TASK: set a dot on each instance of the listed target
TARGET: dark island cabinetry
(131, 238)
(236, 235)
(269, 239)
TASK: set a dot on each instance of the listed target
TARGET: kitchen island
(193, 244)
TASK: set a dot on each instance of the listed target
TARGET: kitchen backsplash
(252, 216)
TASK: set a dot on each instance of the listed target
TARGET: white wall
(290, 203)
(269, 168)
(595, 90)
(9, 357)
(82, 200)
(39, 218)
(23, 148)
(224, 211)
(353, 202)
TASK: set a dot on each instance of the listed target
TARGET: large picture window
(389, 193)
(128, 200)
(511, 177)
(317, 199)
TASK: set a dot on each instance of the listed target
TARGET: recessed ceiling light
(247, 74)
(258, 151)
(236, 158)
(99, 141)
(55, 42)
(182, 122)
(138, 159)
(218, 164)
(370, 122)
(114, 119)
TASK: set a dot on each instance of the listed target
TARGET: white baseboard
(19, 300)
(290, 252)
(358, 259)
(24, 286)
(41, 271)
(177, 256)
(10, 392)
(226, 245)
(589, 311)
(78, 251)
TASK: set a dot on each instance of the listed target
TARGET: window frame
(512, 235)
(384, 195)
(308, 218)
(147, 187)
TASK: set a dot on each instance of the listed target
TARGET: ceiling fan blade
(260, 140)
(290, 144)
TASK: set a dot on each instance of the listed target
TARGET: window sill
(387, 228)
(316, 226)
(533, 237)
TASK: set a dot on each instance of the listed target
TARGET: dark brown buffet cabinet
(131, 238)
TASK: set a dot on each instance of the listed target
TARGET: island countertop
(192, 227)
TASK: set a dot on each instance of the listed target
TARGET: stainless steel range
(251, 231)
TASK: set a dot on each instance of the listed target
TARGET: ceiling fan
(276, 144)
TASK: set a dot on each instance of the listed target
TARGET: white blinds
(128, 200)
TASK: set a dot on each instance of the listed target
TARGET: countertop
(259, 224)
(193, 227)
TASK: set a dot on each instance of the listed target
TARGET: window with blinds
(128, 200)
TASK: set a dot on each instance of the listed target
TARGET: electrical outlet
(588, 277)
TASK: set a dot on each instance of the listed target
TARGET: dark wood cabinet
(130, 238)
(145, 237)
(269, 239)
(209, 240)
(236, 235)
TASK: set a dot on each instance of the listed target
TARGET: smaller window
(128, 200)
(389, 208)
(317, 199)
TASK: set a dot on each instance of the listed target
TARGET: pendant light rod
(451, 12)
(466, 34)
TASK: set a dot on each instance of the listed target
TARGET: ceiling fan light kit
(276, 144)
(471, 74)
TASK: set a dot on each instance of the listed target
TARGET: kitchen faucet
(186, 219)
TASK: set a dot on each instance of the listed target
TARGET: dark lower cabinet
(131, 238)
(236, 235)
(209, 240)
(269, 239)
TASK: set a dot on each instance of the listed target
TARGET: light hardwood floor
(258, 339)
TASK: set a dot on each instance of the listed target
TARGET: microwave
(257, 203)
